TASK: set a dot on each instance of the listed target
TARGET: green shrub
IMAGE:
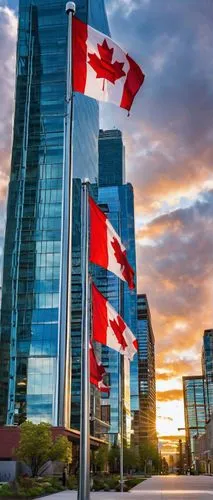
(106, 487)
(133, 482)
(26, 482)
(98, 484)
(118, 487)
(55, 482)
(112, 482)
(72, 483)
(50, 489)
(6, 491)
(22, 493)
(43, 484)
(35, 491)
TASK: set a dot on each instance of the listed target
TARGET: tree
(165, 467)
(131, 458)
(101, 457)
(148, 451)
(114, 458)
(61, 450)
(36, 446)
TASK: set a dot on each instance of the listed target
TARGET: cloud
(176, 271)
(124, 7)
(177, 275)
(169, 133)
(180, 261)
(174, 369)
(8, 33)
(170, 444)
(172, 438)
(163, 376)
(165, 418)
(171, 395)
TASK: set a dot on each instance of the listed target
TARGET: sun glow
(170, 417)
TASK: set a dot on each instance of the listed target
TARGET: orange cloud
(163, 376)
(169, 179)
(173, 369)
(170, 395)
(172, 438)
(177, 275)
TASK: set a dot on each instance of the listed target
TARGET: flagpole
(62, 401)
(121, 397)
(84, 478)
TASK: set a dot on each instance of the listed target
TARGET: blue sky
(169, 159)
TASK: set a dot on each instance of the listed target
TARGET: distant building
(195, 410)
(145, 420)
(207, 366)
(111, 158)
(116, 199)
(204, 449)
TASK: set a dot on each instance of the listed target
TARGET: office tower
(207, 366)
(145, 420)
(117, 201)
(111, 158)
(195, 410)
(31, 275)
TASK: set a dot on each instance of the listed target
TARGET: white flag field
(102, 69)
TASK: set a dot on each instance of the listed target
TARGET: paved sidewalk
(155, 488)
(72, 495)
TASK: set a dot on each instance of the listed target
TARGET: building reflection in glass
(195, 409)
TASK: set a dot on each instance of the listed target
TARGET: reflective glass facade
(118, 203)
(207, 366)
(195, 408)
(111, 158)
(145, 420)
(30, 294)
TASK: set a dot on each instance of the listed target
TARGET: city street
(156, 488)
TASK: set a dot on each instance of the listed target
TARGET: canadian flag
(97, 372)
(101, 69)
(106, 248)
(109, 328)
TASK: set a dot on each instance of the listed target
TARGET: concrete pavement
(175, 488)
(155, 488)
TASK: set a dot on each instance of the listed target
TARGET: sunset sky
(169, 160)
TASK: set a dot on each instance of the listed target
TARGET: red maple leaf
(126, 269)
(118, 329)
(103, 66)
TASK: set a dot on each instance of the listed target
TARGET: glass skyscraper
(111, 158)
(30, 292)
(117, 201)
(207, 366)
(195, 409)
(145, 419)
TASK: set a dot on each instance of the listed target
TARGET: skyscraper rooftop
(111, 158)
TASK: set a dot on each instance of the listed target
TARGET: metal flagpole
(62, 404)
(84, 479)
(121, 397)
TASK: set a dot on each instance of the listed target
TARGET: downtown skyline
(168, 157)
